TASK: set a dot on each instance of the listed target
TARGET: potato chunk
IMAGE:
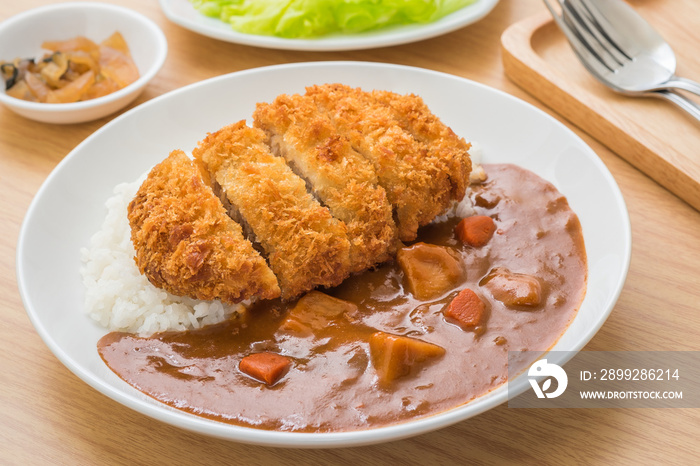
(395, 356)
(515, 290)
(430, 270)
(265, 367)
(316, 311)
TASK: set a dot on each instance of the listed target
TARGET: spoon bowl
(636, 56)
(637, 62)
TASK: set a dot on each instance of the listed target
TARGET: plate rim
(381, 38)
(296, 439)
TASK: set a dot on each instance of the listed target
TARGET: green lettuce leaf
(314, 18)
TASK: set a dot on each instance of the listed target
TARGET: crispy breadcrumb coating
(339, 177)
(443, 144)
(305, 246)
(415, 177)
(185, 242)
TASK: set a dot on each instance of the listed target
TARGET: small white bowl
(22, 35)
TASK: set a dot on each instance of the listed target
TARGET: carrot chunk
(394, 356)
(476, 230)
(467, 309)
(266, 367)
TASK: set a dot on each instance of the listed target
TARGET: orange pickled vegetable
(476, 230)
(467, 309)
(72, 91)
(37, 86)
(21, 91)
(100, 88)
(81, 62)
(117, 66)
(80, 43)
(117, 42)
(54, 70)
(266, 367)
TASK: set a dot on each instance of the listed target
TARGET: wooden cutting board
(644, 131)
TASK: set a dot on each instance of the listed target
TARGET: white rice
(119, 297)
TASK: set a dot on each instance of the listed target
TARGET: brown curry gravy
(332, 385)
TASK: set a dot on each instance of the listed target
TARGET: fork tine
(589, 34)
(588, 58)
(589, 50)
(583, 43)
(608, 29)
(604, 31)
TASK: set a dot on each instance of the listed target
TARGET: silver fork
(614, 61)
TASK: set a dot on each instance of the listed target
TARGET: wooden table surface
(49, 416)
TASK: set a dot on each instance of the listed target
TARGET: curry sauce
(330, 378)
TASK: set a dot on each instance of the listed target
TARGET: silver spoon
(637, 57)
(600, 58)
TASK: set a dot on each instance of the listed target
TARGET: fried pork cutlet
(415, 117)
(416, 178)
(305, 246)
(339, 177)
(185, 242)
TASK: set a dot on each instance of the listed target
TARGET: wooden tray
(651, 134)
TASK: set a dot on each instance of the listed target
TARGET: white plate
(183, 13)
(69, 208)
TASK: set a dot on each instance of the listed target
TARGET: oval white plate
(69, 209)
(183, 13)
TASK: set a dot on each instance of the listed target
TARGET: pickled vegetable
(77, 69)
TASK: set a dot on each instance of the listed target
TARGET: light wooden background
(49, 416)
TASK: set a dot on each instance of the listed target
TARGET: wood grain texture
(653, 135)
(49, 416)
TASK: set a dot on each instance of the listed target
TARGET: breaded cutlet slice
(305, 246)
(415, 117)
(415, 181)
(343, 180)
(187, 244)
